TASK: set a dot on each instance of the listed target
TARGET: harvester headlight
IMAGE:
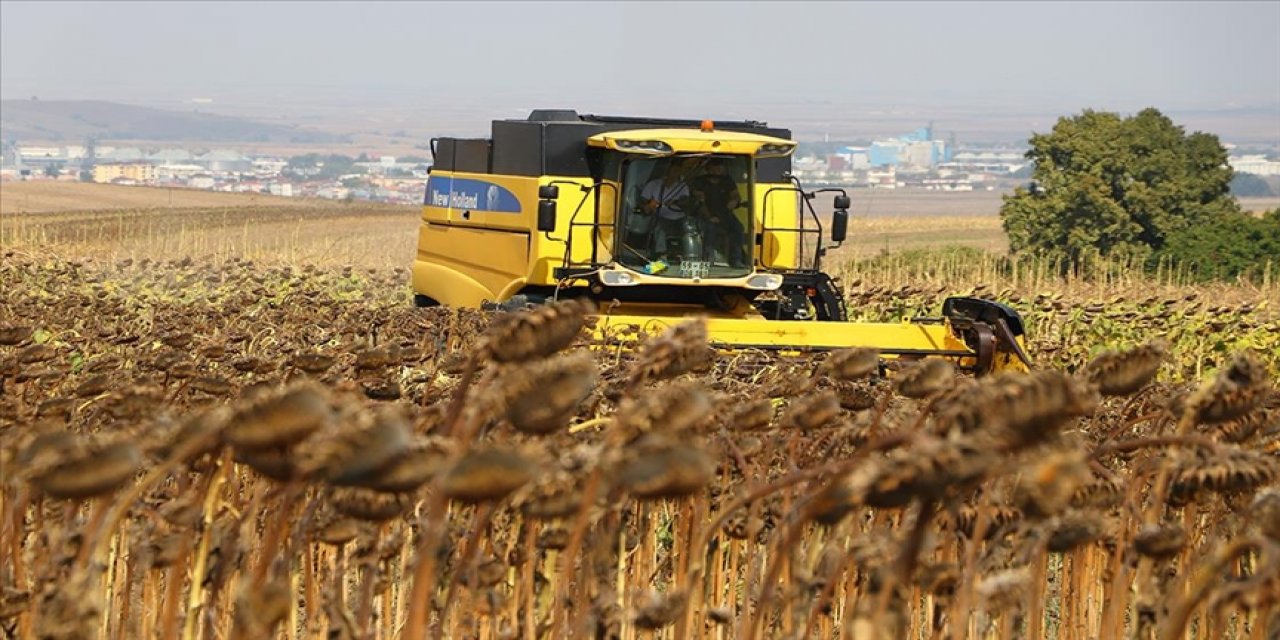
(772, 149)
(643, 146)
(617, 278)
(764, 281)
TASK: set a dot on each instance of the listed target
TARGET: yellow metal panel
(741, 328)
(539, 254)
(885, 336)
(447, 286)
(490, 258)
(779, 249)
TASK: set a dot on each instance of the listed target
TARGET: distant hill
(76, 120)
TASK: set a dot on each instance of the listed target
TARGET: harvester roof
(694, 141)
(555, 142)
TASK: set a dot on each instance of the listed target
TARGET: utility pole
(90, 159)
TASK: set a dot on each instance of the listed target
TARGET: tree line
(1140, 189)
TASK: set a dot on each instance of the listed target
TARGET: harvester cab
(656, 220)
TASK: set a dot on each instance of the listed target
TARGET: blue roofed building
(917, 149)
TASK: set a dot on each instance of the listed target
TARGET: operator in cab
(718, 196)
(667, 196)
(684, 222)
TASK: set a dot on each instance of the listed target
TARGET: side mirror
(548, 192)
(839, 224)
(842, 202)
(546, 214)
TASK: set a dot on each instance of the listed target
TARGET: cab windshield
(686, 216)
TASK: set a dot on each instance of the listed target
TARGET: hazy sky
(1059, 56)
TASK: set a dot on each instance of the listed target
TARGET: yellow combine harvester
(657, 220)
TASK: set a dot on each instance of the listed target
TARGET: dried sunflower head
(858, 396)
(1264, 512)
(751, 414)
(88, 469)
(671, 407)
(1230, 469)
(538, 333)
(925, 378)
(812, 412)
(1004, 589)
(852, 364)
(367, 504)
(927, 470)
(542, 396)
(422, 460)
(487, 475)
(1159, 541)
(660, 466)
(1120, 373)
(1072, 530)
(356, 447)
(554, 495)
(680, 349)
(1047, 485)
(1019, 410)
(1236, 390)
(279, 418)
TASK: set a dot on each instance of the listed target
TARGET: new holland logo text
(456, 199)
(470, 194)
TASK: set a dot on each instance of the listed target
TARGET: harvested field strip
(47, 196)
(367, 236)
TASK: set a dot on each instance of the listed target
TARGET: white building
(171, 156)
(883, 179)
(1257, 165)
(269, 166)
(226, 161)
(178, 170)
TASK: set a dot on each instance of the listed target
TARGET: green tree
(53, 170)
(1106, 185)
(1233, 245)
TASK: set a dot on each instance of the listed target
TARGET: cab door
(608, 198)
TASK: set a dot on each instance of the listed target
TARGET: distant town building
(944, 184)
(39, 157)
(134, 172)
(171, 156)
(917, 149)
(883, 179)
(120, 154)
(178, 171)
(269, 166)
(1257, 165)
(9, 155)
(225, 160)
